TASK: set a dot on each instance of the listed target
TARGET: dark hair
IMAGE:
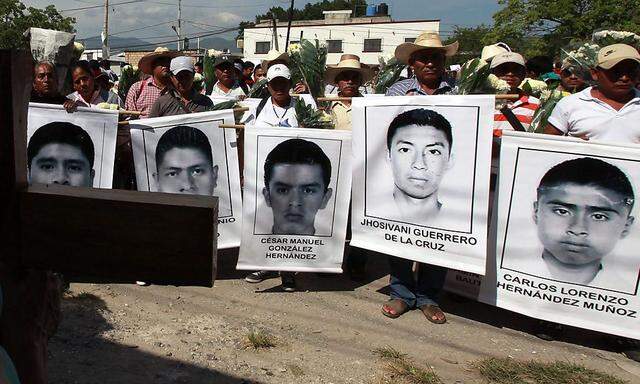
(256, 68)
(84, 65)
(183, 136)
(589, 171)
(247, 65)
(540, 65)
(198, 64)
(59, 132)
(422, 117)
(297, 151)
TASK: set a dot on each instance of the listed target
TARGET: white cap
(507, 57)
(278, 70)
(181, 63)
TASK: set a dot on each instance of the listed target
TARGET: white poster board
(567, 245)
(196, 157)
(296, 199)
(421, 178)
(75, 149)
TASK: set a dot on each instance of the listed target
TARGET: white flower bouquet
(608, 37)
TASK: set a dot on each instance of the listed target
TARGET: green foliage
(309, 117)
(510, 371)
(231, 104)
(128, 77)
(548, 102)
(470, 40)
(388, 75)
(259, 89)
(209, 72)
(473, 77)
(543, 26)
(308, 63)
(16, 18)
(313, 11)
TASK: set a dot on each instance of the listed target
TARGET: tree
(16, 18)
(314, 11)
(543, 26)
(470, 40)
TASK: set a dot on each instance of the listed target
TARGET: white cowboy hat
(491, 51)
(426, 40)
(272, 56)
(348, 63)
(146, 62)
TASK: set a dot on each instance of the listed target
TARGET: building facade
(368, 37)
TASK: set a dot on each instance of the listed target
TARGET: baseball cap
(507, 57)
(181, 63)
(278, 70)
(223, 59)
(611, 55)
(238, 66)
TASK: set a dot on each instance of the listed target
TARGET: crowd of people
(600, 103)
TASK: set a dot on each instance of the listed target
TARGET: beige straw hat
(146, 63)
(426, 40)
(348, 63)
(272, 56)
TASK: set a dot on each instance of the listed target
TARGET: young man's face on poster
(187, 170)
(295, 194)
(419, 156)
(58, 163)
(580, 224)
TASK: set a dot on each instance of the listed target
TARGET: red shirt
(142, 95)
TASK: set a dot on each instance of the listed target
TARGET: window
(372, 45)
(262, 47)
(334, 46)
(409, 39)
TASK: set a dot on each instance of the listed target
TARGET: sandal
(394, 308)
(434, 314)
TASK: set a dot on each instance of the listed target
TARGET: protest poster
(465, 284)
(566, 248)
(189, 154)
(296, 199)
(76, 149)
(421, 178)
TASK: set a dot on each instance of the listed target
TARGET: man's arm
(551, 130)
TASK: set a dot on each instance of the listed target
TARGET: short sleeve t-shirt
(582, 115)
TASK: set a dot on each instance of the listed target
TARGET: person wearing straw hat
(348, 75)
(426, 57)
(144, 93)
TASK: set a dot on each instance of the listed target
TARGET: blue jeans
(415, 293)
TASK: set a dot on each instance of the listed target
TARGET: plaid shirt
(412, 87)
(141, 96)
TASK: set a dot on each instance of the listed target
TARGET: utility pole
(286, 46)
(179, 23)
(275, 33)
(105, 32)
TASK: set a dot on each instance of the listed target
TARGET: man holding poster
(420, 185)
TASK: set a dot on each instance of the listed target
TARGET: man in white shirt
(278, 110)
(609, 111)
(228, 83)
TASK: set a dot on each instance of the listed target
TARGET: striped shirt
(142, 95)
(523, 109)
(412, 87)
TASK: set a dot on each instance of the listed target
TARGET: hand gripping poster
(296, 199)
(189, 154)
(76, 149)
(567, 238)
(421, 178)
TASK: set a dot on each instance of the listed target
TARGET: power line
(100, 6)
(175, 41)
(141, 28)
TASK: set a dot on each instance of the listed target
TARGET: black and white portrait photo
(189, 154)
(297, 177)
(423, 163)
(567, 238)
(297, 186)
(75, 149)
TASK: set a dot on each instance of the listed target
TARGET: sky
(202, 16)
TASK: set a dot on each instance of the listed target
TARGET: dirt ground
(325, 333)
